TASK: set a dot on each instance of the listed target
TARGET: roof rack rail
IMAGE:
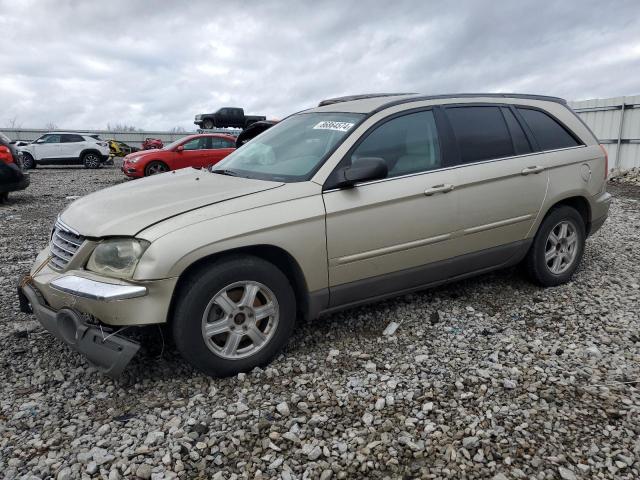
(349, 98)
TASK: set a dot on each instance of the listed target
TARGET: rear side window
(549, 134)
(520, 141)
(481, 133)
(72, 138)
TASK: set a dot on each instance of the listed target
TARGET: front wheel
(207, 124)
(154, 168)
(28, 161)
(234, 316)
(557, 247)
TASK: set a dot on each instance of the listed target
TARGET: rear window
(549, 134)
(481, 133)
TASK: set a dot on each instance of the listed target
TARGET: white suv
(65, 148)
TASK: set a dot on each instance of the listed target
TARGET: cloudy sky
(154, 65)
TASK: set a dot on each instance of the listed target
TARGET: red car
(150, 143)
(198, 151)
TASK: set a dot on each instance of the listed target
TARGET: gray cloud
(156, 64)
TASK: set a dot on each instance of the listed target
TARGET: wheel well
(91, 150)
(272, 254)
(581, 205)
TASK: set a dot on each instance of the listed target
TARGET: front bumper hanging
(110, 352)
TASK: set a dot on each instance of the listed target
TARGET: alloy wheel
(240, 320)
(561, 247)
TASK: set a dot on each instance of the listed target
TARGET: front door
(48, 147)
(382, 234)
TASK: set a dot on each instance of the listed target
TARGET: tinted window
(481, 133)
(520, 141)
(72, 138)
(548, 133)
(199, 143)
(408, 144)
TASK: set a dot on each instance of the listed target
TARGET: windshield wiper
(221, 171)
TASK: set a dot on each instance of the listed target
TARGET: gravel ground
(487, 378)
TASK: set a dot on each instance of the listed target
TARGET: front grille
(64, 245)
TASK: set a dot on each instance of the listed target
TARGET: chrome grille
(64, 245)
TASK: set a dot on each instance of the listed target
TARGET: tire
(4, 197)
(553, 259)
(91, 160)
(28, 163)
(155, 167)
(207, 124)
(201, 300)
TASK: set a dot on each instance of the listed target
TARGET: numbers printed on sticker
(339, 126)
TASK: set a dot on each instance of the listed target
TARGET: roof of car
(370, 103)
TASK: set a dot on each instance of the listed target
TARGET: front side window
(55, 138)
(481, 133)
(549, 134)
(199, 143)
(408, 144)
(292, 150)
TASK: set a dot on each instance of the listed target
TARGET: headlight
(132, 160)
(117, 257)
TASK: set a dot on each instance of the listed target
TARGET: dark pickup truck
(227, 117)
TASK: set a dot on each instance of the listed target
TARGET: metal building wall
(616, 123)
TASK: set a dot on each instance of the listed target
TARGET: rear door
(220, 147)
(501, 183)
(71, 145)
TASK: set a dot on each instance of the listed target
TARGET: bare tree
(13, 123)
(51, 126)
(178, 130)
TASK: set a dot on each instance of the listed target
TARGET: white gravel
(489, 378)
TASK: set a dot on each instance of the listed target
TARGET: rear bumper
(20, 181)
(599, 211)
(109, 351)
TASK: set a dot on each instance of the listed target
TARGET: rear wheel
(91, 160)
(557, 247)
(234, 316)
(4, 197)
(28, 162)
(154, 168)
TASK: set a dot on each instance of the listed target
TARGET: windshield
(292, 150)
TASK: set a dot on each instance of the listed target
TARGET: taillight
(5, 154)
(606, 162)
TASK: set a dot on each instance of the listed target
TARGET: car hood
(128, 208)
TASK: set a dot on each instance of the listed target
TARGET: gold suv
(356, 200)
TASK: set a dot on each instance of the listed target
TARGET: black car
(12, 177)
(253, 130)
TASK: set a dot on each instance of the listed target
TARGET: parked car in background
(198, 151)
(335, 206)
(65, 148)
(120, 149)
(253, 131)
(12, 178)
(227, 117)
(152, 143)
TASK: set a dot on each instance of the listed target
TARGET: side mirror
(362, 170)
(180, 148)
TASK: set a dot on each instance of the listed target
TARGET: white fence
(616, 123)
(134, 139)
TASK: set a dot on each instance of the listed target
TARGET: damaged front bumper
(110, 352)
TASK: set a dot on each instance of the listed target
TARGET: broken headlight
(117, 257)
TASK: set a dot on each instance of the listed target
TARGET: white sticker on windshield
(339, 126)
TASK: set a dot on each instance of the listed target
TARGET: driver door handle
(533, 169)
(444, 188)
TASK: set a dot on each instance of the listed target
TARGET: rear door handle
(534, 169)
(444, 188)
